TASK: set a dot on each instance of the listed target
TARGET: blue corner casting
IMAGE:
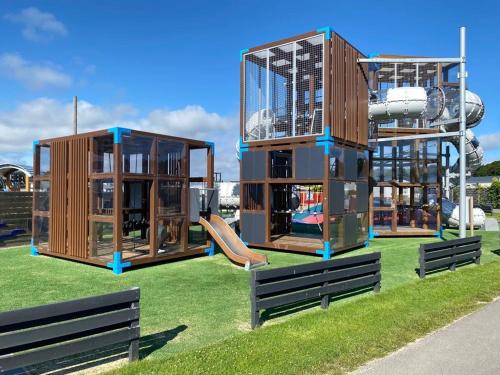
(212, 146)
(117, 265)
(327, 30)
(371, 233)
(326, 251)
(34, 250)
(439, 233)
(367, 244)
(211, 250)
(35, 143)
(242, 52)
(325, 140)
(117, 133)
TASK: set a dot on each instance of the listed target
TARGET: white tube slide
(435, 105)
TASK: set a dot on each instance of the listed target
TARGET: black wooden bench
(447, 254)
(318, 280)
(44, 333)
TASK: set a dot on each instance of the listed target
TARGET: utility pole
(75, 115)
(462, 76)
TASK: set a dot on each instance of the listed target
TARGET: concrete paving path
(471, 345)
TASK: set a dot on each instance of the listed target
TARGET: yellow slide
(231, 244)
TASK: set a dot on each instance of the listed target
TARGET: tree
(494, 193)
(491, 169)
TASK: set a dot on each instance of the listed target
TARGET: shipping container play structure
(120, 198)
(366, 131)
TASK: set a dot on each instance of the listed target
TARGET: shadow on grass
(104, 356)
(289, 309)
(496, 252)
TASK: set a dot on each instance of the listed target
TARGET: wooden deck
(405, 232)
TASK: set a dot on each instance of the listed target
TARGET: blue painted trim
(35, 143)
(243, 146)
(212, 146)
(439, 233)
(326, 252)
(117, 133)
(117, 265)
(34, 250)
(371, 233)
(326, 135)
(367, 243)
(211, 250)
(242, 52)
(327, 30)
(372, 55)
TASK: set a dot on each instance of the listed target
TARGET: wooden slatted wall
(58, 193)
(349, 88)
(78, 193)
(338, 87)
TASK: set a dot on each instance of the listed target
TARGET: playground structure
(120, 198)
(15, 177)
(304, 123)
(409, 103)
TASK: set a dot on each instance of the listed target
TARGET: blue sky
(174, 66)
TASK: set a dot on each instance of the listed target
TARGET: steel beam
(462, 76)
(411, 60)
(415, 136)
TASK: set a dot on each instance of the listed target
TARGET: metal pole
(75, 115)
(447, 173)
(462, 201)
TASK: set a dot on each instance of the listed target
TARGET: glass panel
(102, 197)
(137, 154)
(253, 196)
(382, 196)
(281, 164)
(382, 220)
(337, 236)
(171, 157)
(102, 161)
(44, 160)
(42, 195)
(362, 227)
(362, 165)
(102, 239)
(41, 231)
(336, 162)
(170, 236)
(350, 196)
(197, 236)
(170, 198)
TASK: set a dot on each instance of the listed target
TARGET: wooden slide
(231, 244)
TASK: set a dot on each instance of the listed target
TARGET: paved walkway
(469, 346)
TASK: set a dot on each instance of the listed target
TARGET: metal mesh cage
(283, 90)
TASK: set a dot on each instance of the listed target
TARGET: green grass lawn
(202, 301)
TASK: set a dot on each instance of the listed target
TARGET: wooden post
(133, 346)
(376, 287)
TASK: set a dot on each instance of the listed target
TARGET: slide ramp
(231, 244)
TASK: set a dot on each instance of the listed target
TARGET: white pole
(462, 201)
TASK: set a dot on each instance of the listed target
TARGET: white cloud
(490, 142)
(32, 75)
(38, 25)
(48, 118)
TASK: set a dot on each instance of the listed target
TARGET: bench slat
(13, 361)
(57, 310)
(36, 337)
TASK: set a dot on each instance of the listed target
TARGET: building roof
(480, 180)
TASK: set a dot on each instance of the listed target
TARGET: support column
(462, 75)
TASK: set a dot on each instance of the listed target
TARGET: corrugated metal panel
(78, 198)
(59, 170)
